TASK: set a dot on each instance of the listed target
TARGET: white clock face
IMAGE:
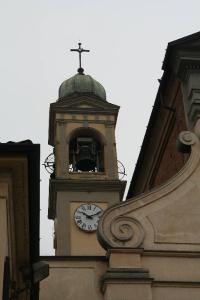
(87, 216)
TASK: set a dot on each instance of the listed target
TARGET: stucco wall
(73, 279)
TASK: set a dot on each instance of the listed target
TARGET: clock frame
(87, 216)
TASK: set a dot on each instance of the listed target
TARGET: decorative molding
(188, 71)
(194, 104)
(126, 229)
(125, 274)
(120, 228)
(194, 94)
(93, 131)
(180, 284)
(74, 258)
(72, 105)
(185, 65)
(66, 121)
(185, 254)
(61, 122)
(80, 100)
(89, 185)
(185, 140)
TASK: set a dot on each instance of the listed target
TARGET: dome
(82, 84)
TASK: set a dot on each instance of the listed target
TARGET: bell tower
(85, 179)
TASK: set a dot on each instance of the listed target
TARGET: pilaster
(61, 150)
(110, 153)
(125, 278)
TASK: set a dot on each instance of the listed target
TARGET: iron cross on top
(80, 50)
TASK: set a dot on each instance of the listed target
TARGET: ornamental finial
(80, 50)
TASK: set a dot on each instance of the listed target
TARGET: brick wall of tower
(171, 160)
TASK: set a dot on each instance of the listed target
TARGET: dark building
(20, 268)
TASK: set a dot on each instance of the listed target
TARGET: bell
(85, 160)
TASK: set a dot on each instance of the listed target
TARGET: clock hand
(100, 212)
(83, 213)
(90, 216)
(87, 216)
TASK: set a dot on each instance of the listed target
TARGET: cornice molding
(71, 106)
(185, 65)
(188, 71)
(108, 123)
(176, 283)
(125, 275)
(57, 185)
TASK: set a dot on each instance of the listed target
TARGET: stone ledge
(125, 274)
(181, 284)
(91, 185)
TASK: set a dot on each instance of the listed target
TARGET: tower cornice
(85, 185)
(76, 105)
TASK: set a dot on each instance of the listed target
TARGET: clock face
(87, 216)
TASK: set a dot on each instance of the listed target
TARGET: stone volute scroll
(120, 231)
(185, 140)
(127, 230)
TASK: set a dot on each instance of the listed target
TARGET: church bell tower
(85, 179)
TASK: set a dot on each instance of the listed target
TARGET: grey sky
(127, 40)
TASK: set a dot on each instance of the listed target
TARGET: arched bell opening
(86, 151)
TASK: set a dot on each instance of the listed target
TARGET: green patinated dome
(82, 84)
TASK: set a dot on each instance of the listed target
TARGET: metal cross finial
(80, 50)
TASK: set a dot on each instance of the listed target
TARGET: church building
(147, 247)
(83, 185)
(144, 248)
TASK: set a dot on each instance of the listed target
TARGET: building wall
(173, 275)
(19, 219)
(170, 160)
(70, 239)
(159, 156)
(14, 217)
(154, 241)
(73, 279)
(4, 229)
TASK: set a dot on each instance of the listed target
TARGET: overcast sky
(127, 42)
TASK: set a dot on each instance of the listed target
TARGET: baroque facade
(153, 238)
